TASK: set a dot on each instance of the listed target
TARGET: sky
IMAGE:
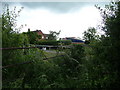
(72, 18)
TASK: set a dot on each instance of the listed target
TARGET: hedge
(54, 42)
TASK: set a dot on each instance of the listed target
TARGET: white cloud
(70, 24)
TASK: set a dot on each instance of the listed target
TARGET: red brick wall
(40, 33)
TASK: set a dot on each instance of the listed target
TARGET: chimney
(28, 29)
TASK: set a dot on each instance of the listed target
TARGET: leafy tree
(90, 35)
(102, 58)
(33, 36)
(53, 35)
(11, 38)
(105, 58)
(112, 29)
(10, 35)
(9, 30)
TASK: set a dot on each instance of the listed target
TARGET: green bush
(54, 42)
(65, 42)
(47, 42)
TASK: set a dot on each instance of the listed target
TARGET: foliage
(10, 35)
(81, 66)
(111, 40)
(8, 26)
(90, 35)
(103, 58)
(47, 42)
(100, 67)
(33, 37)
(76, 52)
(65, 42)
(54, 42)
(53, 35)
(11, 38)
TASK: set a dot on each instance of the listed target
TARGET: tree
(9, 30)
(11, 38)
(90, 35)
(33, 36)
(53, 35)
(102, 59)
(111, 40)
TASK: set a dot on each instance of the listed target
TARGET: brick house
(44, 36)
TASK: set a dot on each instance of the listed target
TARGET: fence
(35, 46)
(27, 62)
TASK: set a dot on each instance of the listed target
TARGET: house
(43, 35)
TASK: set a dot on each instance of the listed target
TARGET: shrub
(47, 42)
(65, 42)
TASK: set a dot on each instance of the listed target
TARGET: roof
(41, 33)
(37, 31)
(75, 40)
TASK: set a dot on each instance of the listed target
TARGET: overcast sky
(72, 18)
